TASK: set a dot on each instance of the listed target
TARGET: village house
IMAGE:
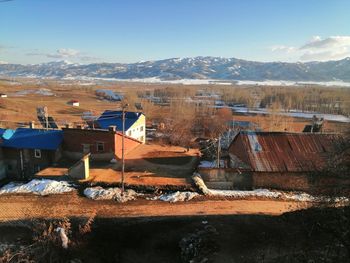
(74, 103)
(26, 151)
(272, 160)
(135, 123)
(101, 144)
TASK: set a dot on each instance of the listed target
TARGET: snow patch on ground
(293, 83)
(43, 92)
(176, 196)
(63, 236)
(99, 193)
(265, 193)
(292, 113)
(39, 187)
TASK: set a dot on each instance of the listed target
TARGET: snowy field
(293, 83)
(291, 113)
(42, 92)
(157, 80)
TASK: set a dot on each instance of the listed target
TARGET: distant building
(109, 95)
(27, 151)
(74, 103)
(316, 125)
(242, 125)
(135, 123)
(3, 95)
(102, 144)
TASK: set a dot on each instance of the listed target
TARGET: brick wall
(129, 144)
(74, 139)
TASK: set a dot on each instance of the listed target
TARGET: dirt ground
(26, 206)
(294, 237)
(147, 165)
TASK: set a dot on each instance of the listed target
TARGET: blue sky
(87, 31)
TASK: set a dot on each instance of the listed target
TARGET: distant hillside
(189, 68)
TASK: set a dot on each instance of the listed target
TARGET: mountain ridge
(200, 67)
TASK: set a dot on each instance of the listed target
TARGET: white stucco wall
(138, 129)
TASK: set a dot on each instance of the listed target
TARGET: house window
(141, 128)
(37, 153)
(86, 148)
(141, 138)
(100, 146)
(129, 133)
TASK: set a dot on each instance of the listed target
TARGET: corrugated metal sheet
(24, 138)
(283, 152)
(114, 118)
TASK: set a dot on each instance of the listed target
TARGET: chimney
(112, 128)
(32, 125)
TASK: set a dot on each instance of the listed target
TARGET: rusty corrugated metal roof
(284, 152)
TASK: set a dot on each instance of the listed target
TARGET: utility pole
(123, 134)
(46, 117)
(218, 153)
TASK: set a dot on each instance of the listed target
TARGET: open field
(23, 99)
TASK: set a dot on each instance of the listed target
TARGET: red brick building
(101, 144)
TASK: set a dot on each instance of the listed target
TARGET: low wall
(80, 170)
(281, 181)
(93, 157)
(227, 178)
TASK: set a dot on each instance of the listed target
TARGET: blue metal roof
(24, 138)
(114, 118)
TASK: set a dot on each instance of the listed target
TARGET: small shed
(281, 160)
(74, 103)
(27, 151)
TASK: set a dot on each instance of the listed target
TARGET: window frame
(37, 153)
(99, 144)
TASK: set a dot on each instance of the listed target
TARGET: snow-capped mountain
(189, 68)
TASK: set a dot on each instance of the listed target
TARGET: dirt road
(17, 207)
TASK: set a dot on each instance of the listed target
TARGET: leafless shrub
(87, 227)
